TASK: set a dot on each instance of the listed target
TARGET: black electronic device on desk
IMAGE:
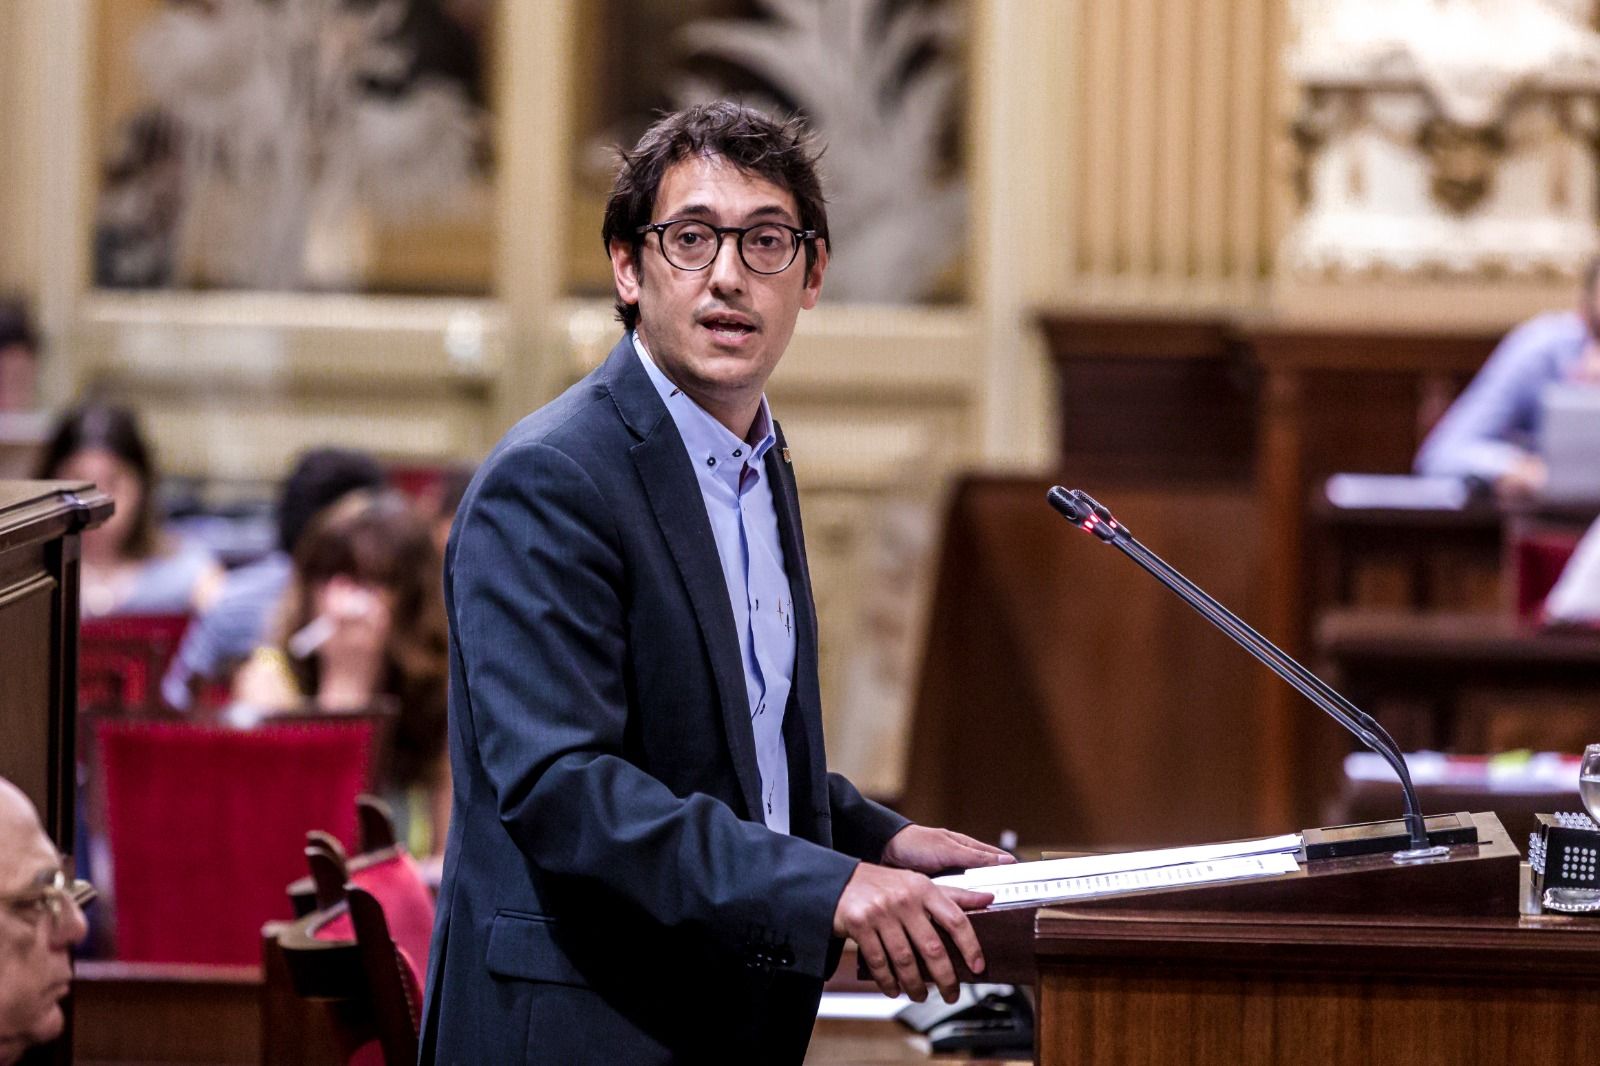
(1564, 853)
(985, 1017)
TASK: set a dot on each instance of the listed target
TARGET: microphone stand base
(1438, 851)
(1374, 838)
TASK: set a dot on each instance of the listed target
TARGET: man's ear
(625, 269)
(813, 289)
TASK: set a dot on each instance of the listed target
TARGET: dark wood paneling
(1331, 400)
(1152, 400)
(144, 1013)
(1169, 404)
(1066, 695)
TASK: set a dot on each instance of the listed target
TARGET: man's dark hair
(320, 478)
(778, 151)
(96, 426)
(15, 328)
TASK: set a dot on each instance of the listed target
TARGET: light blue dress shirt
(738, 498)
(1495, 421)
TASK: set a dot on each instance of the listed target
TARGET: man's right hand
(1523, 479)
(891, 915)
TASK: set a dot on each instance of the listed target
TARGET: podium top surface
(38, 510)
(1456, 915)
(1370, 907)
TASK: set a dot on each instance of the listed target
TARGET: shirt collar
(710, 444)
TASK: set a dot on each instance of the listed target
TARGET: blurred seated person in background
(129, 565)
(1575, 598)
(236, 622)
(439, 505)
(363, 622)
(39, 923)
(19, 357)
(1490, 433)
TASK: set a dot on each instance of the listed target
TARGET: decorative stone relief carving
(1444, 136)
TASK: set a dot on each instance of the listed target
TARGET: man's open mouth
(728, 326)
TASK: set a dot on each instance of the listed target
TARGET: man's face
(719, 332)
(35, 965)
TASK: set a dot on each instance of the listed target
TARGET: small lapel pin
(786, 457)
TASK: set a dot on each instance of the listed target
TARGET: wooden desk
(1401, 558)
(1353, 960)
(1468, 682)
(1276, 990)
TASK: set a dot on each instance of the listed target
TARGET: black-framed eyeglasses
(50, 898)
(767, 248)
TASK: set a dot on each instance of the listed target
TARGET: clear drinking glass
(1589, 781)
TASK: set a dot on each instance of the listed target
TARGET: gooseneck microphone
(1083, 511)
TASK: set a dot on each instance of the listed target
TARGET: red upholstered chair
(121, 660)
(207, 824)
(1537, 559)
(379, 903)
(392, 909)
(374, 836)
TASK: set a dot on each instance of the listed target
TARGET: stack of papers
(1088, 876)
(1398, 491)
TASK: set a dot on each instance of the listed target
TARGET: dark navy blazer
(610, 893)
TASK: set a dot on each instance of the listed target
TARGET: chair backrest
(207, 824)
(1537, 559)
(313, 974)
(330, 866)
(393, 921)
(121, 660)
(384, 909)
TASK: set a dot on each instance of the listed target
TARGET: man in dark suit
(648, 861)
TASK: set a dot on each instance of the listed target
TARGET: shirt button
(711, 460)
(738, 452)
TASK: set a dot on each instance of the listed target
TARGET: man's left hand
(931, 851)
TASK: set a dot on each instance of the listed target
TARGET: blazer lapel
(680, 512)
(807, 694)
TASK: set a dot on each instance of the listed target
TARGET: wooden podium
(1358, 960)
(40, 522)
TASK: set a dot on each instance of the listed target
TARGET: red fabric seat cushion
(207, 825)
(407, 904)
(1537, 561)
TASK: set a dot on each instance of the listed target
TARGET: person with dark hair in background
(130, 566)
(648, 861)
(40, 921)
(236, 622)
(19, 358)
(1490, 433)
(363, 624)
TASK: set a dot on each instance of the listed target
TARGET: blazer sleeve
(537, 595)
(861, 827)
(1492, 423)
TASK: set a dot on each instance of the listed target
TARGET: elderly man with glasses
(40, 920)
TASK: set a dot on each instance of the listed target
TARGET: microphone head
(1068, 505)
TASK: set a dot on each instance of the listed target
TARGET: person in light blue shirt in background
(1490, 434)
(236, 621)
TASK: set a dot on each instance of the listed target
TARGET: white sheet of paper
(983, 878)
(869, 1005)
(1111, 884)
